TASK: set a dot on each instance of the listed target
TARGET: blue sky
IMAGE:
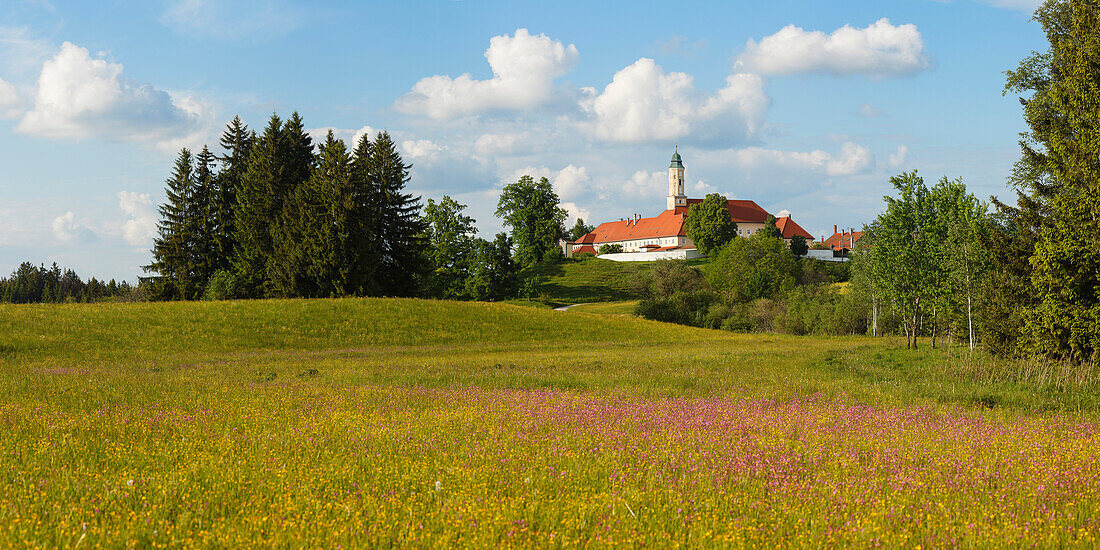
(807, 107)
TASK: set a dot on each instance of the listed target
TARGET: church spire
(676, 196)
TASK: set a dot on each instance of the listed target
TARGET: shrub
(222, 286)
(611, 249)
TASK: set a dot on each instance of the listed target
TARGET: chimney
(834, 228)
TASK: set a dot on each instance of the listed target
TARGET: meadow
(369, 422)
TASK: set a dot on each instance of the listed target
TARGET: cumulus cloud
(898, 159)
(349, 135)
(232, 20)
(67, 230)
(570, 183)
(421, 149)
(10, 104)
(498, 144)
(79, 96)
(643, 103)
(524, 69)
(574, 212)
(879, 50)
(853, 159)
(867, 111)
(142, 225)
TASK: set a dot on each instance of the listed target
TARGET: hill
(591, 280)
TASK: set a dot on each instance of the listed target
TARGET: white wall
(682, 254)
(823, 255)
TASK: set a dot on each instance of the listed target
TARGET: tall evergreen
(173, 246)
(296, 162)
(313, 238)
(365, 225)
(258, 203)
(201, 210)
(403, 262)
(1060, 151)
(236, 141)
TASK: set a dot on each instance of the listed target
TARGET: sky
(806, 107)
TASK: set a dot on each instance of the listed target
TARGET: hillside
(592, 280)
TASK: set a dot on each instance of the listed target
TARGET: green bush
(222, 285)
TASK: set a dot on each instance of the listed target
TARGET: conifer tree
(236, 141)
(201, 207)
(172, 247)
(1063, 115)
(365, 225)
(403, 261)
(295, 165)
(313, 239)
(258, 203)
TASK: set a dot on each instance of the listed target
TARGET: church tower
(676, 196)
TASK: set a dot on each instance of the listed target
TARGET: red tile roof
(667, 224)
(789, 229)
(742, 211)
(844, 239)
(585, 248)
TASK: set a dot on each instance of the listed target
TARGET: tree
(451, 247)
(173, 247)
(202, 206)
(1063, 161)
(798, 246)
(770, 228)
(494, 275)
(610, 248)
(366, 223)
(709, 224)
(237, 143)
(313, 240)
(579, 230)
(531, 209)
(755, 267)
(902, 253)
(259, 201)
(403, 262)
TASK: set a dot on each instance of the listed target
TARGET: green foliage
(611, 248)
(1061, 165)
(259, 202)
(494, 275)
(29, 284)
(760, 266)
(579, 230)
(402, 265)
(709, 224)
(798, 246)
(222, 286)
(770, 229)
(452, 247)
(175, 246)
(236, 141)
(531, 209)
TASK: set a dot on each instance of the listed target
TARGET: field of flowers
(630, 433)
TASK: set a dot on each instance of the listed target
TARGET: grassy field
(592, 280)
(367, 422)
(607, 308)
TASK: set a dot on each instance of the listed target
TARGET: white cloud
(423, 149)
(497, 144)
(853, 159)
(22, 53)
(879, 50)
(868, 111)
(349, 135)
(79, 97)
(67, 230)
(10, 104)
(783, 213)
(232, 20)
(642, 185)
(898, 159)
(142, 225)
(644, 103)
(575, 212)
(569, 183)
(524, 69)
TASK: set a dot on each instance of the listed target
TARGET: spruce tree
(236, 141)
(201, 209)
(366, 222)
(172, 247)
(403, 262)
(258, 203)
(1063, 115)
(296, 165)
(313, 238)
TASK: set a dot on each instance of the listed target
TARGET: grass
(607, 308)
(591, 280)
(370, 422)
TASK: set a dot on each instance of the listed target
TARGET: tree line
(31, 285)
(275, 216)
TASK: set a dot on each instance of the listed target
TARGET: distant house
(842, 242)
(665, 231)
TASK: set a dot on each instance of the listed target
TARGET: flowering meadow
(248, 424)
